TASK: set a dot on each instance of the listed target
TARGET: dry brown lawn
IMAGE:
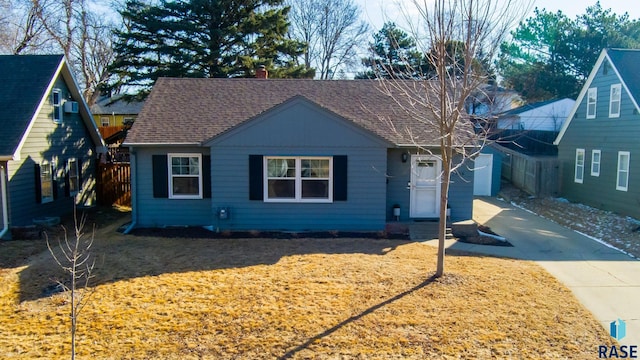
(177, 298)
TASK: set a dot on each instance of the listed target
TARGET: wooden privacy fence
(537, 175)
(114, 184)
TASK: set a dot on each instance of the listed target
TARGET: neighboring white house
(543, 116)
(490, 100)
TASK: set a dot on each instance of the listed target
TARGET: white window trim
(73, 161)
(594, 103)
(57, 108)
(171, 176)
(298, 180)
(618, 100)
(102, 121)
(593, 162)
(46, 199)
(626, 174)
(581, 172)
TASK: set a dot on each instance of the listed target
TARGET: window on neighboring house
(46, 182)
(592, 98)
(614, 101)
(56, 102)
(622, 182)
(185, 176)
(104, 121)
(74, 179)
(128, 121)
(298, 179)
(595, 163)
(579, 174)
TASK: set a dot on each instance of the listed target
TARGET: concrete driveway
(605, 280)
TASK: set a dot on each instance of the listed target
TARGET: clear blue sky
(376, 12)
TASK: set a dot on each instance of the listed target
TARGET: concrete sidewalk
(605, 280)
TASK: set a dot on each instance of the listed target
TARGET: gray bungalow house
(598, 144)
(48, 141)
(283, 154)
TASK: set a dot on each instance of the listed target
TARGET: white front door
(425, 186)
(482, 173)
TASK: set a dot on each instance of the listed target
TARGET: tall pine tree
(393, 53)
(201, 38)
(550, 55)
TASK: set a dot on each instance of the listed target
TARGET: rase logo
(618, 330)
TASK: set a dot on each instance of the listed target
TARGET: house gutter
(133, 164)
(162, 144)
(5, 207)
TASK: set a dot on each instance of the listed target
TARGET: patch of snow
(581, 225)
(523, 208)
(500, 238)
(636, 221)
(605, 243)
(562, 200)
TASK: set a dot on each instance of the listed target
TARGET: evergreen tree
(201, 38)
(550, 55)
(393, 53)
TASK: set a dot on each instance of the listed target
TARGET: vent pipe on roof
(261, 72)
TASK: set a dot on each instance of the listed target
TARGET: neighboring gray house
(48, 141)
(598, 144)
(283, 154)
(541, 116)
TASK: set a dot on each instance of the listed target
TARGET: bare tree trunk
(451, 34)
(74, 257)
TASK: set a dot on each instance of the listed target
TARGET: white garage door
(482, 176)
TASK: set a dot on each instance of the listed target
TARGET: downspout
(133, 164)
(5, 207)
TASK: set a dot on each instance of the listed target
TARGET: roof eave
(583, 92)
(151, 144)
(85, 114)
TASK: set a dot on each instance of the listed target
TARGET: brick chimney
(261, 72)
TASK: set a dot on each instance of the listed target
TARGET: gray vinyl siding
(300, 128)
(161, 212)
(609, 135)
(398, 178)
(398, 192)
(461, 191)
(54, 143)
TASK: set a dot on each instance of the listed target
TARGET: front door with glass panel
(425, 186)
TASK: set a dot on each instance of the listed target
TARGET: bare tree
(74, 257)
(332, 30)
(83, 35)
(20, 29)
(455, 35)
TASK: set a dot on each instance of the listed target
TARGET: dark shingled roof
(24, 80)
(193, 111)
(627, 62)
(116, 105)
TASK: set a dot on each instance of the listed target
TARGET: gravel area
(622, 232)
